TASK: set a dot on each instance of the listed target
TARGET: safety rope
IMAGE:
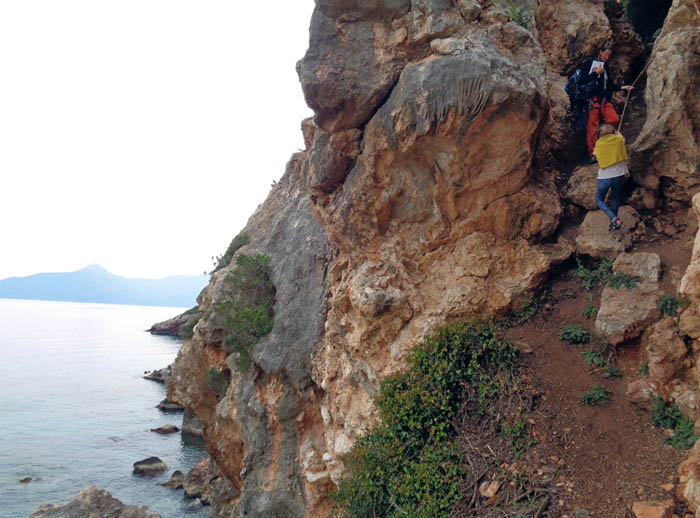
(628, 95)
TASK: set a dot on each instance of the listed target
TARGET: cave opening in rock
(647, 16)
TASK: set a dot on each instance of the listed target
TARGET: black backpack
(579, 93)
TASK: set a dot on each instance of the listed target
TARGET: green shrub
(407, 465)
(590, 312)
(518, 12)
(222, 261)
(592, 278)
(593, 358)
(516, 434)
(668, 306)
(644, 369)
(602, 274)
(218, 381)
(612, 372)
(575, 335)
(248, 309)
(668, 415)
(596, 396)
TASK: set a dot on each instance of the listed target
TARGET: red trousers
(599, 111)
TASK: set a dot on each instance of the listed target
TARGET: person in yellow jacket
(612, 159)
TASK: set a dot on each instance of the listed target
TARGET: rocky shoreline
(202, 485)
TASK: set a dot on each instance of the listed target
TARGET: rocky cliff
(428, 192)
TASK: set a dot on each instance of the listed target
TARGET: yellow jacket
(610, 150)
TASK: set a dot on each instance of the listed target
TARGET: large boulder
(625, 312)
(666, 155)
(581, 185)
(91, 503)
(594, 239)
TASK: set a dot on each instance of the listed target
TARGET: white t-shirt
(613, 171)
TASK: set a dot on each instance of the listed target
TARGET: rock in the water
(625, 312)
(159, 375)
(166, 429)
(594, 239)
(176, 480)
(94, 503)
(150, 466)
(173, 326)
(168, 406)
(191, 424)
(25, 480)
(197, 479)
(205, 483)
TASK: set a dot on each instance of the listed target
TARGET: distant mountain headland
(95, 284)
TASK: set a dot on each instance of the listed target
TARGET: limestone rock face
(666, 155)
(690, 283)
(93, 502)
(625, 312)
(666, 352)
(571, 32)
(254, 432)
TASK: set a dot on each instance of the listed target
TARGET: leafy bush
(590, 311)
(222, 261)
(668, 306)
(602, 274)
(518, 12)
(593, 358)
(516, 434)
(666, 415)
(612, 372)
(407, 465)
(218, 381)
(575, 335)
(596, 396)
(248, 309)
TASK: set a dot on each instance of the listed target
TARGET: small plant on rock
(218, 381)
(590, 312)
(575, 335)
(596, 396)
(668, 415)
(644, 369)
(668, 306)
(247, 311)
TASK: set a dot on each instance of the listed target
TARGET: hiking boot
(615, 224)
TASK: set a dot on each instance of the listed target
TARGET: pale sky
(142, 134)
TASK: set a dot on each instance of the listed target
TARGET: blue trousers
(614, 185)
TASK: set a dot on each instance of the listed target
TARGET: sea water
(75, 410)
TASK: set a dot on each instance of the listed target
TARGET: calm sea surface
(74, 410)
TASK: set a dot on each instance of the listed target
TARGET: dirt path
(606, 457)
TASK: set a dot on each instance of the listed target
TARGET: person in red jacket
(597, 74)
